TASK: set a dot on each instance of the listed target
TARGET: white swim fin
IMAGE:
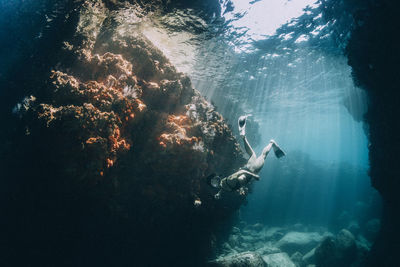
(279, 153)
(242, 125)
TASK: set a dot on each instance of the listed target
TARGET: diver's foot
(217, 196)
(242, 125)
(279, 153)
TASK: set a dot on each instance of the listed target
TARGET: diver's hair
(208, 179)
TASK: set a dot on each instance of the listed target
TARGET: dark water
(280, 61)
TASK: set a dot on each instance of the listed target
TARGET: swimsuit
(227, 185)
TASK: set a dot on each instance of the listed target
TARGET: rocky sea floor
(296, 245)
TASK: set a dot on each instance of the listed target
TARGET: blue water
(296, 84)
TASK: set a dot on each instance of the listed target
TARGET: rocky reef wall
(374, 56)
(106, 152)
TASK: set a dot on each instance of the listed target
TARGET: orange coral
(110, 163)
(92, 140)
(179, 125)
(117, 143)
(100, 112)
(180, 119)
(140, 105)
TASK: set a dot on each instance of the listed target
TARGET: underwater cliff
(107, 152)
(374, 58)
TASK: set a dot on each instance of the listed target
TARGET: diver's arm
(218, 195)
(255, 176)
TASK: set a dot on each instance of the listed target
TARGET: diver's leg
(255, 164)
(266, 149)
(248, 148)
(277, 150)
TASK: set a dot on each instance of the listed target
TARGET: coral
(117, 145)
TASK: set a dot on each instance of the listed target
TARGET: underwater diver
(238, 180)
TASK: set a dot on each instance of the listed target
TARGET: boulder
(338, 251)
(354, 227)
(297, 259)
(235, 240)
(345, 240)
(363, 249)
(273, 233)
(299, 241)
(267, 248)
(278, 260)
(309, 257)
(326, 252)
(244, 259)
(363, 243)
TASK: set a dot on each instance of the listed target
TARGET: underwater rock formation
(278, 259)
(294, 245)
(115, 146)
(299, 241)
(338, 251)
(244, 259)
(374, 57)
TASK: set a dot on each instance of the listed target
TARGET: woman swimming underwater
(239, 180)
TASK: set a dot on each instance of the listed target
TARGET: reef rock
(297, 259)
(309, 257)
(298, 241)
(115, 146)
(377, 74)
(338, 251)
(244, 259)
(278, 260)
(273, 233)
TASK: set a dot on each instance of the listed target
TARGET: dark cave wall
(108, 150)
(374, 56)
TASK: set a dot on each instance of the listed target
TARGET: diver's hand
(243, 191)
(217, 195)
